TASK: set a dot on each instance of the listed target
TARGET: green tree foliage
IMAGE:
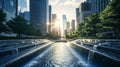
(18, 25)
(111, 16)
(2, 16)
(3, 27)
(91, 26)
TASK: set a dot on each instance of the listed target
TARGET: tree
(111, 16)
(18, 25)
(3, 27)
(2, 16)
(90, 27)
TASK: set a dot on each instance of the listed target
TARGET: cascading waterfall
(91, 54)
(90, 57)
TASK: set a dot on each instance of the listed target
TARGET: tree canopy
(18, 25)
(3, 27)
(111, 16)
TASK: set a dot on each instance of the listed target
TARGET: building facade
(26, 15)
(85, 11)
(68, 27)
(64, 17)
(98, 5)
(73, 25)
(54, 29)
(77, 16)
(39, 14)
(10, 7)
(50, 19)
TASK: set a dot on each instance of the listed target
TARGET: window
(11, 2)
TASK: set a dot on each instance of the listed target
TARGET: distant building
(89, 7)
(68, 27)
(39, 14)
(64, 24)
(98, 6)
(54, 18)
(85, 11)
(10, 7)
(77, 17)
(50, 19)
(26, 15)
(54, 29)
(73, 25)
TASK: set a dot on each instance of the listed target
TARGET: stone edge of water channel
(17, 62)
(103, 61)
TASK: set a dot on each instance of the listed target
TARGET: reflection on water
(58, 55)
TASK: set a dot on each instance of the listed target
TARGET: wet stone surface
(58, 55)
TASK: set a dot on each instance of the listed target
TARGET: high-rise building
(77, 17)
(26, 15)
(54, 18)
(85, 10)
(50, 19)
(73, 25)
(54, 28)
(64, 24)
(10, 7)
(89, 7)
(50, 13)
(97, 6)
(39, 14)
(68, 27)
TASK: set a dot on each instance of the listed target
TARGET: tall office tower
(39, 14)
(73, 25)
(85, 10)
(77, 16)
(54, 28)
(54, 18)
(10, 7)
(64, 25)
(16, 6)
(68, 27)
(97, 6)
(50, 19)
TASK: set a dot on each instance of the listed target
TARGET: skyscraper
(54, 29)
(10, 7)
(77, 16)
(68, 27)
(39, 14)
(73, 25)
(54, 18)
(85, 10)
(64, 24)
(98, 6)
(50, 19)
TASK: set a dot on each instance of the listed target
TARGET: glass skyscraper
(98, 5)
(10, 7)
(39, 14)
(50, 19)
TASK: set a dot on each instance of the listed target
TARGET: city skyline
(57, 7)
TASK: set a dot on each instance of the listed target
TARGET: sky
(59, 7)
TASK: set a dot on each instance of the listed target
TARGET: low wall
(27, 57)
(94, 58)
